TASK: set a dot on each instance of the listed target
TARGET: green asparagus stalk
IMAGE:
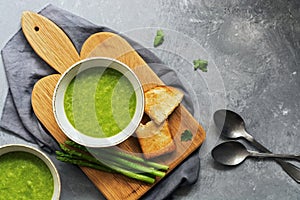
(136, 158)
(132, 165)
(112, 151)
(75, 145)
(98, 165)
(105, 158)
(78, 161)
(79, 154)
(113, 169)
(112, 160)
(62, 154)
(83, 163)
(130, 174)
(77, 158)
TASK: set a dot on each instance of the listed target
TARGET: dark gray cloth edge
(184, 171)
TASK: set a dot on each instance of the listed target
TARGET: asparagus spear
(78, 161)
(131, 174)
(132, 165)
(106, 158)
(112, 151)
(79, 154)
(76, 145)
(83, 163)
(112, 168)
(136, 158)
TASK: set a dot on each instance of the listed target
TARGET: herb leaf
(159, 38)
(186, 135)
(200, 64)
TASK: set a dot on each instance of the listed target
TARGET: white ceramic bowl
(58, 102)
(25, 148)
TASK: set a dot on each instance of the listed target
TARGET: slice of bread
(155, 140)
(160, 102)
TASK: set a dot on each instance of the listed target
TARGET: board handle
(49, 41)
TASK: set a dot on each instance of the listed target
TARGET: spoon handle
(292, 170)
(272, 155)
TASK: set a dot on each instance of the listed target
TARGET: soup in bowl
(98, 102)
(27, 173)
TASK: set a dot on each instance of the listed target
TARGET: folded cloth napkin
(24, 68)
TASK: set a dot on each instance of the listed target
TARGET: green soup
(24, 176)
(100, 102)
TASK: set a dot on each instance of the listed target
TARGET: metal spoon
(233, 153)
(232, 126)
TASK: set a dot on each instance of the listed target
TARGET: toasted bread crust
(161, 101)
(155, 140)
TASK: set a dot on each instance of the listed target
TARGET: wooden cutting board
(51, 44)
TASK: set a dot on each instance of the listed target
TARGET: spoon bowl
(230, 124)
(230, 153)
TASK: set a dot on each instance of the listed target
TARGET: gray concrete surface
(253, 51)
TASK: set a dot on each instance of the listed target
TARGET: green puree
(24, 176)
(100, 102)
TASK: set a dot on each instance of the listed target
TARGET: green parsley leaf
(200, 64)
(159, 38)
(186, 135)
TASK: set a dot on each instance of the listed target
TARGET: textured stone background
(254, 46)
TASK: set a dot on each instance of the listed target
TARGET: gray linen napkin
(24, 68)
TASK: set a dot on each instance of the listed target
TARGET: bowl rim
(8, 148)
(90, 141)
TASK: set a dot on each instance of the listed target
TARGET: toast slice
(155, 140)
(160, 102)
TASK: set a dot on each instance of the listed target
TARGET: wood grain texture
(49, 41)
(111, 45)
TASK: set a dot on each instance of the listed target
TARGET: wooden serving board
(51, 43)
